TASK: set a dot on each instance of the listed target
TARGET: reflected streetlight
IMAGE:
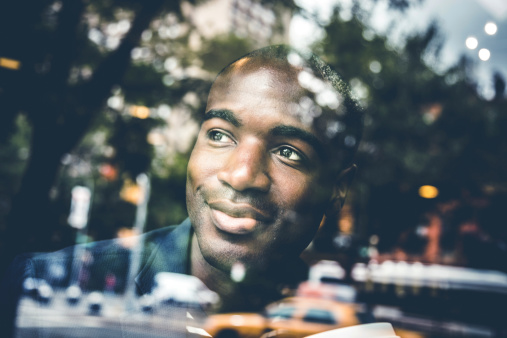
(471, 42)
(484, 54)
(428, 191)
(490, 28)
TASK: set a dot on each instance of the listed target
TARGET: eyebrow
(295, 132)
(280, 131)
(223, 114)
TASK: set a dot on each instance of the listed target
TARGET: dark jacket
(165, 249)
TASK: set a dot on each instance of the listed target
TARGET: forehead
(265, 85)
(262, 91)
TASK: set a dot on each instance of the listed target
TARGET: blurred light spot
(238, 272)
(10, 63)
(156, 138)
(136, 53)
(346, 222)
(112, 42)
(359, 89)
(304, 79)
(349, 141)
(56, 6)
(147, 35)
(164, 111)
(237, 320)
(333, 128)
(95, 35)
(108, 172)
(161, 49)
(471, 42)
(374, 239)
(432, 112)
(189, 315)
(328, 98)
(86, 72)
(490, 28)
(451, 79)
(170, 63)
(484, 54)
(168, 80)
(131, 192)
(489, 189)
(66, 159)
(294, 59)
(368, 35)
(115, 102)
(375, 66)
(345, 15)
(112, 29)
(422, 231)
(191, 99)
(108, 151)
(127, 237)
(428, 191)
(487, 92)
(141, 112)
(123, 26)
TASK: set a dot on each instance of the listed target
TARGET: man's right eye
(218, 136)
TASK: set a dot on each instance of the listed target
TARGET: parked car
(182, 290)
(38, 289)
(95, 303)
(73, 294)
(291, 317)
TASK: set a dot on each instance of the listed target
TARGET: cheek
(200, 166)
(299, 193)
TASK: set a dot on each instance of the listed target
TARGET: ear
(340, 189)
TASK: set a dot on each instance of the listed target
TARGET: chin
(223, 256)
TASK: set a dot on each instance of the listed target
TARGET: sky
(457, 20)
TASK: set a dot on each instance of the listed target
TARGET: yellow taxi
(290, 317)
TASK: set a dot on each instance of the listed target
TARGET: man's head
(272, 157)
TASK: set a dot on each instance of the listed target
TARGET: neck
(249, 295)
(215, 279)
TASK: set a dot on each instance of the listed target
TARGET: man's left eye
(289, 154)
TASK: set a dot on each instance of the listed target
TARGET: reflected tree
(422, 126)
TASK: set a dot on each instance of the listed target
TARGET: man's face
(252, 182)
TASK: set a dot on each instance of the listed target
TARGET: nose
(246, 168)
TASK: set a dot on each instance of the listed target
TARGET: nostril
(244, 175)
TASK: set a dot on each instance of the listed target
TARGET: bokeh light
(141, 112)
(428, 191)
(490, 28)
(484, 54)
(471, 42)
(375, 66)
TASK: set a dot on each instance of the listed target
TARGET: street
(59, 319)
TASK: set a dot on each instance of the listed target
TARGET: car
(73, 294)
(95, 303)
(38, 289)
(290, 317)
(182, 290)
(337, 291)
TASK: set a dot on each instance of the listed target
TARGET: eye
(289, 154)
(218, 136)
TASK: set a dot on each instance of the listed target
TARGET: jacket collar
(167, 250)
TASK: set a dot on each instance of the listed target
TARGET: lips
(238, 219)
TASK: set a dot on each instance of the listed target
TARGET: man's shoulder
(110, 248)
